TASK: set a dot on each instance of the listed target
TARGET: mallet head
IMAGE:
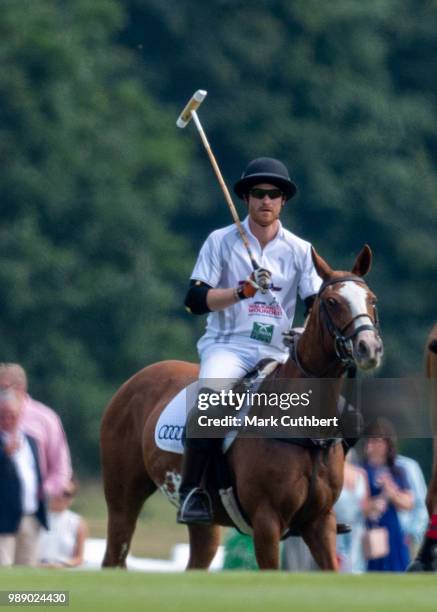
(192, 105)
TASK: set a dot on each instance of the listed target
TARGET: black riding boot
(195, 503)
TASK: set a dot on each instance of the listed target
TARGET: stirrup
(196, 508)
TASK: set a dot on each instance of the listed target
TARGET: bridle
(343, 341)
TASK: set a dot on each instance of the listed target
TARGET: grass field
(229, 591)
(156, 534)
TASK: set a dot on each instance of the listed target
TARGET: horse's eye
(331, 301)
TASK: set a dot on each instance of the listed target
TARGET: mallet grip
(192, 105)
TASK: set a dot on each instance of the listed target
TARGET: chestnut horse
(426, 558)
(273, 479)
(431, 372)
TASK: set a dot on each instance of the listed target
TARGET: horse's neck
(317, 357)
(315, 351)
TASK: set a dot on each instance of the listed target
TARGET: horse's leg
(321, 538)
(124, 501)
(266, 537)
(204, 542)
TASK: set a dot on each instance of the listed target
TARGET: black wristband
(239, 292)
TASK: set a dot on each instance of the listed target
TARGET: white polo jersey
(223, 262)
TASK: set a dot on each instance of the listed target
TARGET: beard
(263, 222)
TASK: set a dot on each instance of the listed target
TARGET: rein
(343, 343)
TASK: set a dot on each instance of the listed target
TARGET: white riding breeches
(222, 365)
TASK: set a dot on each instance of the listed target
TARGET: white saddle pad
(170, 426)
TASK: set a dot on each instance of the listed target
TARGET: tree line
(104, 202)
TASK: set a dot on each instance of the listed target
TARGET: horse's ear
(363, 262)
(322, 268)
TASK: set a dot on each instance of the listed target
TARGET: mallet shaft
(225, 190)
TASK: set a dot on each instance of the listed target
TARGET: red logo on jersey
(268, 310)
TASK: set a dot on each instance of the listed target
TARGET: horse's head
(347, 308)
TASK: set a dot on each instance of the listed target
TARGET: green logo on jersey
(262, 332)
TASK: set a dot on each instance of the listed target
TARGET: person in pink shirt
(45, 426)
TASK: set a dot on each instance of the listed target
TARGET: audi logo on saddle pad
(170, 432)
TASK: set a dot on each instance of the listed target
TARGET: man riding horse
(248, 313)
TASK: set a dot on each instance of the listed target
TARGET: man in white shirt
(248, 311)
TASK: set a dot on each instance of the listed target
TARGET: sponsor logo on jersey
(268, 310)
(262, 332)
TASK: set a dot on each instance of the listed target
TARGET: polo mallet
(190, 111)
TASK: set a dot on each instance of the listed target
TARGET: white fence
(95, 549)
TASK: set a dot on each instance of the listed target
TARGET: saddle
(170, 428)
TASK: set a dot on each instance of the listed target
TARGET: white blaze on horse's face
(367, 345)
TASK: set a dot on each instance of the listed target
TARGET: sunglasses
(260, 194)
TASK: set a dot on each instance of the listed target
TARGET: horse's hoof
(417, 566)
(426, 560)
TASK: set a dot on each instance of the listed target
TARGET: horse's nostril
(363, 349)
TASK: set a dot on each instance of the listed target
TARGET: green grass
(229, 591)
(157, 532)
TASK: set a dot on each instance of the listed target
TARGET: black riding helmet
(265, 170)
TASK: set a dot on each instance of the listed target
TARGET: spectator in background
(414, 521)
(350, 508)
(43, 424)
(389, 493)
(22, 505)
(64, 544)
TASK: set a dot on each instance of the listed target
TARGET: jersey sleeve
(208, 266)
(309, 282)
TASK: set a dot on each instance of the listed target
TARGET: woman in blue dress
(389, 492)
